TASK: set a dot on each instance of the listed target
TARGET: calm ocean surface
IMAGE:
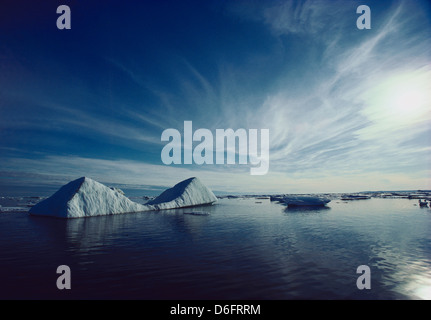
(242, 250)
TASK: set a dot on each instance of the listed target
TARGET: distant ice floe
(17, 204)
(348, 197)
(423, 203)
(85, 197)
(13, 209)
(299, 201)
(292, 200)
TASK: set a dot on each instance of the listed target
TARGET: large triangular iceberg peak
(188, 193)
(85, 197)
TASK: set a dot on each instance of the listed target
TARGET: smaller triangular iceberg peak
(188, 193)
(85, 197)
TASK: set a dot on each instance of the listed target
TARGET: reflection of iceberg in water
(89, 233)
(198, 213)
(98, 234)
(92, 235)
(191, 221)
(306, 209)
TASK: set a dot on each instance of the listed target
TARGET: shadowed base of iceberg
(85, 197)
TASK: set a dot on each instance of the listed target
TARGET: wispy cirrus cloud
(330, 128)
(343, 106)
(310, 17)
(52, 116)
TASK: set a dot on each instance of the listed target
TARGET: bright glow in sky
(347, 109)
(402, 99)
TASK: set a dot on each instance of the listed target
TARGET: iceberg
(85, 197)
(296, 201)
(276, 198)
(354, 197)
(188, 193)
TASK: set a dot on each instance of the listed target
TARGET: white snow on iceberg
(296, 201)
(187, 193)
(85, 197)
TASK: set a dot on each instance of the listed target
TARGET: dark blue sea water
(244, 249)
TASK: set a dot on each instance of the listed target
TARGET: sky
(347, 109)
